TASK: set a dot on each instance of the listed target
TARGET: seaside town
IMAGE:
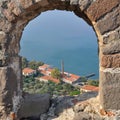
(46, 75)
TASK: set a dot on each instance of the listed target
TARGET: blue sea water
(59, 35)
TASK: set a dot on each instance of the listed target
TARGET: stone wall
(102, 15)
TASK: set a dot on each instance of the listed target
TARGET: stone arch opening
(46, 32)
(14, 16)
(44, 42)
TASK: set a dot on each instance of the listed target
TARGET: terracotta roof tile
(90, 88)
(28, 70)
(50, 78)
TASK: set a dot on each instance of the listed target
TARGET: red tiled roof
(44, 72)
(71, 77)
(50, 78)
(50, 69)
(90, 88)
(28, 70)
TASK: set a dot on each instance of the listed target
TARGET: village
(46, 76)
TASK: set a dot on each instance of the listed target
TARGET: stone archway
(103, 16)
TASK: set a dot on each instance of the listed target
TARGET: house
(89, 88)
(49, 78)
(28, 72)
(66, 77)
(70, 78)
(44, 67)
(46, 72)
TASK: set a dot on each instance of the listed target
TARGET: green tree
(39, 63)
(93, 82)
(56, 73)
(75, 92)
(34, 64)
(24, 62)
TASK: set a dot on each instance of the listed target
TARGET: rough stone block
(16, 65)
(84, 4)
(100, 8)
(82, 116)
(110, 88)
(14, 8)
(111, 48)
(2, 37)
(8, 85)
(5, 25)
(25, 3)
(8, 14)
(34, 105)
(42, 2)
(110, 22)
(74, 2)
(111, 61)
(114, 36)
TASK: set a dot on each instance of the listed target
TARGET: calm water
(56, 36)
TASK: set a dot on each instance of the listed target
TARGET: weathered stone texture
(42, 2)
(74, 2)
(9, 15)
(112, 36)
(5, 25)
(25, 3)
(111, 48)
(84, 4)
(34, 105)
(110, 88)
(14, 8)
(29, 3)
(103, 15)
(100, 7)
(2, 37)
(82, 116)
(110, 21)
(8, 85)
(111, 61)
(12, 11)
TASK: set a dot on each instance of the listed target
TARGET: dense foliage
(31, 85)
(34, 64)
(31, 64)
(93, 82)
(24, 62)
(56, 73)
(35, 86)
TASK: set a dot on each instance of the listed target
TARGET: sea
(56, 36)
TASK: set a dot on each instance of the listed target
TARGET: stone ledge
(112, 70)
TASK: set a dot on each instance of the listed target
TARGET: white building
(28, 72)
